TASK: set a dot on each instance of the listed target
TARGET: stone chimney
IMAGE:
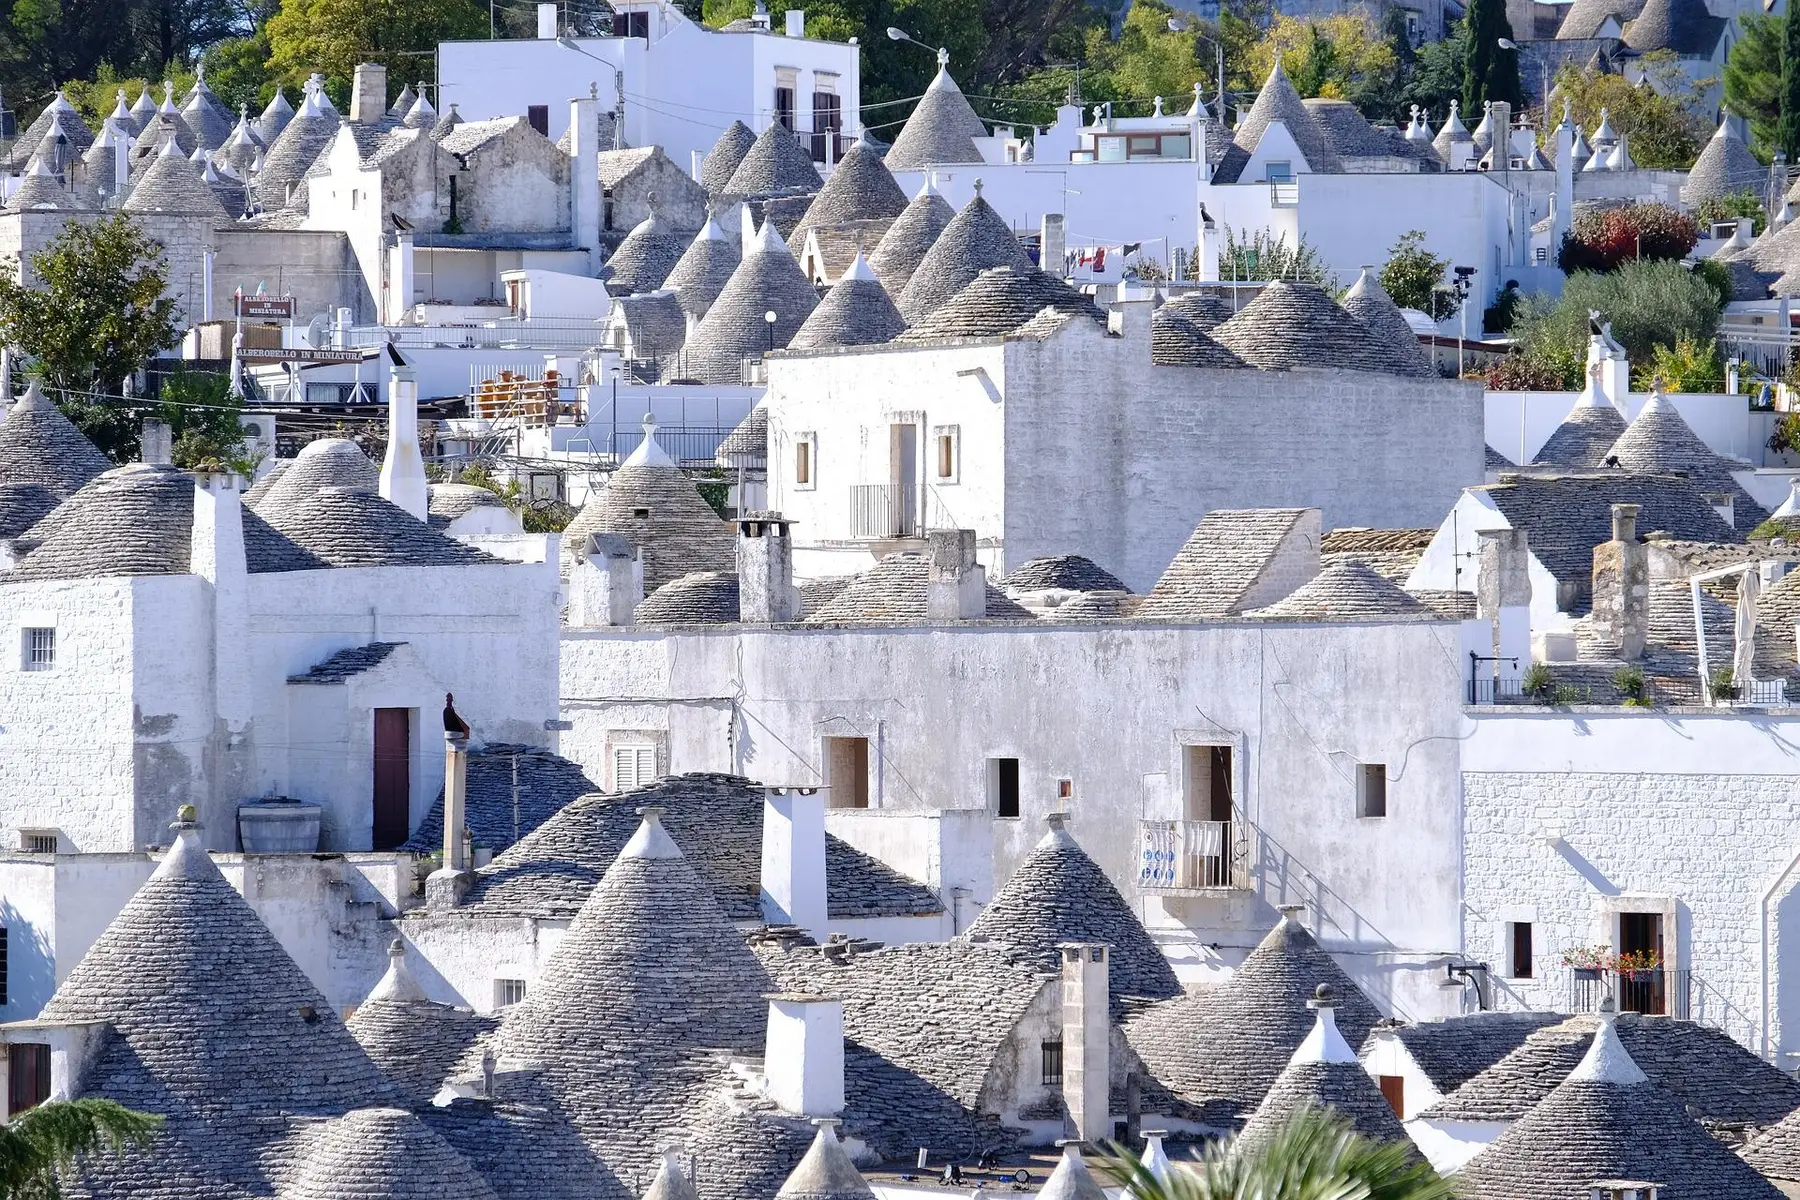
(607, 582)
(803, 1057)
(1622, 586)
(216, 554)
(956, 586)
(403, 470)
(765, 569)
(584, 174)
(446, 886)
(156, 443)
(1503, 597)
(1053, 241)
(793, 858)
(368, 94)
(1086, 1039)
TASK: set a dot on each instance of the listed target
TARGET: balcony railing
(1659, 992)
(1177, 857)
(884, 510)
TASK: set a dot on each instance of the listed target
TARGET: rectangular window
(39, 841)
(806, 454)
(1393, 1090)
(784, 105)
(3, 988)
(1519, 962)
(28, 1075)
(1003, 786)
(539, 117)
(1052, 1056)
(508, 992)
(633, 24)
(1371, 789)
(38, 650)
(1206, 782)
(827, 120)
(847, 771)
(633, 767)
(946, 442)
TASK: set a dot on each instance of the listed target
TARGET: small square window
(1371, 790)
(1052, 1055)
(1278, 172)
(633, 767)
(39, 650)
(508, 992)
(1519, 952)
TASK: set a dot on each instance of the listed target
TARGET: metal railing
(539, 333)
(884, 510)
(1489, 690)
(1659, 991)
(1194, 856)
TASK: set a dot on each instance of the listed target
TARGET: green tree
(1665, 122)
(1489, 71)
(205, 419)
(1338, 56)
(1316, 1156)
(1414, 277)
(1436, 77)
(95, 308)
(333, 36)
(1745, 203)
(1649, 304)
(40, 1143)
(1262, 257)
(1753, 78)
(1787, 127)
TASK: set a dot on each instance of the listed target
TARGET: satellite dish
(318, 333)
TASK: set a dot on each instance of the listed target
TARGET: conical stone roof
(209, 1016)
(646, 256)
(974, 240)
(704, 269)
(1071, 1179)
(39, 191)
(1229, 1044)
(403, 102)
(1586, 435)
(825, 1172)
(1277, 101)
(1452, 132)
(1180, 340)
(775, 165)
(941, 129)
(274, 118)
(656, 508)
(735, 329)
(620, 1025)
(1343, 591)
(912, 235)
(855, 312)
(1660, 440)
(383, 1152)
(39, 445)
(100, 173)
(353, 527)
(996, 302)
(1295, 324)
(419, 114)
(171, 184)
(209, 119)
(1369, 303)
(58, 111)
(292, 153)
(723, 159)
(670, 1181)
(1202, 308)
(325, 462)
(1059, 894)
(860, 189)
(415, 1041)
(1608, 1121)
(1725, 166)
(1323, 1073)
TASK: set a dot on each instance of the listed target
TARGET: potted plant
(1724, 684)
(1632, 686)
(1538, 683)
(1588, 963)
(1639, 966)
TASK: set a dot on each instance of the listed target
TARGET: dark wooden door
(393, 779)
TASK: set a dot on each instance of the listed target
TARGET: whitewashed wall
(1519, 423)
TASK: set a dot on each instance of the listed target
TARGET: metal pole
(515, 798)
(1220, 47)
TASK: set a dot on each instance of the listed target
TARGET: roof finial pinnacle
(943, 59)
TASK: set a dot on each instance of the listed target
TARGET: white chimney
(765, 568)
(400, 279)
(546, 23)
(1503, 598)
(216, 554)
(803, 1058)
(607, 582)
(796, 22)
(584, 171)
(368, 94)
(956, 586)
(1086, 1034)
(793, 858)
(403, 469)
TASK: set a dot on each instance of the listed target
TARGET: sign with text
(266, 306)
(254, 354)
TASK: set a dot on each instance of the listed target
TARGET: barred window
(1053, 1064)
(39, 649)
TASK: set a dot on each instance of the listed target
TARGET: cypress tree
(1488, 72)
(1787, 132)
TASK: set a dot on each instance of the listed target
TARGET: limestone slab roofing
(1222, 1049)
(941, 128)
(1343, 591)
(860, 189)
(704, 269)
(975, 239)
(1660, 439)
(1292, 323)
(1277, 101)
(1369, 303)
(893, 592)
(656, 508)
(723, 159)
(1453, 1051)
(1223, 559)
(547, 782)
(996, 302)
(904, 246)
(857, 311)
(735, 328)
(415, 1041)
(381, 1154)
(1585, 437)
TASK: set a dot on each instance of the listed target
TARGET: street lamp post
(1543, 72)
(900, 35)
(769, 324)
(1180, 25)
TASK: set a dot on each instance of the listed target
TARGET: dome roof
(904, 246)
(700, 598)
(1295, 324)
(292, 153)
(996, 302)
(646, 256)
(659, 510)
(172, 184)
(855, 312)
(324, 462)
(974, 240)
(275, 117)
(1342, 591)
